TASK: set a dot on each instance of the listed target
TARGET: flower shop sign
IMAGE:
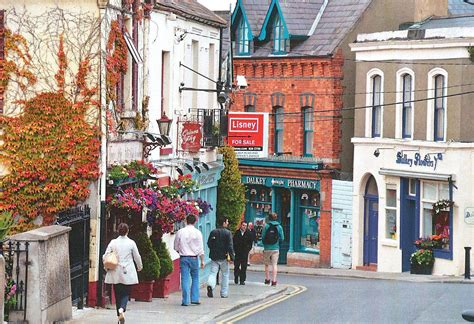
(430, 160)
(191, 137)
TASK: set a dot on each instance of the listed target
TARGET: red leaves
(60, 75)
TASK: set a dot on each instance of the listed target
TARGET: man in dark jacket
(221, 252)
(242, 244)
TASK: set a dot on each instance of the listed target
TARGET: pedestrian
(124, 275)
(221, 254)
(271, 237)
(242, 245)
(253, 234)
(189, 245)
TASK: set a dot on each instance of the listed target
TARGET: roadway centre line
(254, 309)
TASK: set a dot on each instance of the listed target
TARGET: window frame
(308, 130)
(369, 98)
(430, 118)
(407, 106)
(392, 208)
(243, 39)
(436, 127)
(303, 209)
(278, 131)
(376, 119)
(279, 41)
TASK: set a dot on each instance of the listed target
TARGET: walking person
(189, 245)
(221, 254)
(124, 275)
(242, 245)
(271, 237)
(253, 234)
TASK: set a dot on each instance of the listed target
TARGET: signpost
(248, 134)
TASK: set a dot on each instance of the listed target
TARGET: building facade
(412, 148)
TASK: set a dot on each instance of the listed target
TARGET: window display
(309, 213)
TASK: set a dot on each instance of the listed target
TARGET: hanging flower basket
(440, 206)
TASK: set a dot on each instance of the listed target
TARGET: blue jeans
(224, 265)
(122, 292)
(189, 279)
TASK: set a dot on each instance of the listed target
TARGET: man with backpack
(271, 237)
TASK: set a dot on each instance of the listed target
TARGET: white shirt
(188, 241)
(127, 252)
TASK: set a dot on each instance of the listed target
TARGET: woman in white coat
(125, 274)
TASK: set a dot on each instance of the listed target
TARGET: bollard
(467, 264)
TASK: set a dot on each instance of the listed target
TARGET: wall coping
(41, 234)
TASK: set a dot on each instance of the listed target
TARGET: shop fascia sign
(282, 182)
(248, 134)
(430, 160)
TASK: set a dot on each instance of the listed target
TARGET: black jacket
(242, 244)
(220, 244)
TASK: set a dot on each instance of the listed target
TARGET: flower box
(425, 269)
(143, 291)
(161, 288)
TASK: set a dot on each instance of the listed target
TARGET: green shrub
(165, 258)
(230, 191)
(151, 262)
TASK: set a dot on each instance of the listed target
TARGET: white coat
(127, 252)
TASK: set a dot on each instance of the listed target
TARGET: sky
(217, 4)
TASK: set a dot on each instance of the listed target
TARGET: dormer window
(243, 45)
(280, 43)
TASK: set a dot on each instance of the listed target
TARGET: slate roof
(338, 19)
(460, 7)
(447, 22)
(191, 9)
(225, 15)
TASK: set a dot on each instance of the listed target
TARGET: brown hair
(122, 229)
(273, 216)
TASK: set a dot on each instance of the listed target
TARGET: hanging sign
(469, 215)
(191, 137)
(248, 134)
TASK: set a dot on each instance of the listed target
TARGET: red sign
(248, 132)
(191, 137)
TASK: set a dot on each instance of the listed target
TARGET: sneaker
(196, 303)
(236, 280)
(243, 283)
(274, 283)
(121, 316)
(267, 282)
(209, 292)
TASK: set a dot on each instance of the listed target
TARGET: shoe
(196, 303)
(242, 283)
(184, 304)
(224, 296)
(236, 281)
(267, 282)
(248, 264)
(274, 283)
(209, 292)
(121, 317)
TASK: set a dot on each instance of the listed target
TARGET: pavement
(169, 310)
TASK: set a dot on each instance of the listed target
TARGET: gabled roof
(191, 9)
(460, 7)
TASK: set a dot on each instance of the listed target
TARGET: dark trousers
(122, 292)
(240, 268)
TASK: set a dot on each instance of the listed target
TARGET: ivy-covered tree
(230, 191)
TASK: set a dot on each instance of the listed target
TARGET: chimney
(426, 8)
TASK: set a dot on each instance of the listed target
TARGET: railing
(16, 269)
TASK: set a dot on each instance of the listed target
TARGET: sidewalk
(169, 310)
(350, 273)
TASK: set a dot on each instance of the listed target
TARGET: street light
(164, 124)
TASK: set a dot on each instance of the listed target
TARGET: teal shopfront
(297, 203)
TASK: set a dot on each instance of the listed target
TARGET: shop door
(409, 226)
(370, 230)
(282, 208)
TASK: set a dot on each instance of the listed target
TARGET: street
(343, 300)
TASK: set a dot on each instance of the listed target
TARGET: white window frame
(399, 100)
(368, 101)
(391, 187)
(430, 201)
(430, 103)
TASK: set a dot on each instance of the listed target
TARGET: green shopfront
(297, 203)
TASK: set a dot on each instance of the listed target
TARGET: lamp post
(164, 124)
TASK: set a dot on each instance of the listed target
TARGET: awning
(132, 49)
(417, 174)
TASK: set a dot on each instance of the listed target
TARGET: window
(279, 118)
(391, 214)
(308, 120)
(309, 227)
(279, 40)
(259, 205)
(243, 47)
(407, 106)
(439, 109)
(376, 105)
(250, 101)
(431, 225)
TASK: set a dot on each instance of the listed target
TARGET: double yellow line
(295, 290)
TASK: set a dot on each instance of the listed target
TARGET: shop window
(259, 205)
(391, 214)
(435, 224)
(309, 226)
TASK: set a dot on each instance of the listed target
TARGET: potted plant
(161, 286)
(143, 291)
(422, 261)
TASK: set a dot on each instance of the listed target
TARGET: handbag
(111, 260)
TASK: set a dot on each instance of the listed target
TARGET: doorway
(371, 220)
(282, 208)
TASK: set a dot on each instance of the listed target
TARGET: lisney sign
(248, 134)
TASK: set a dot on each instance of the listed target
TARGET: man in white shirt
(189, 244)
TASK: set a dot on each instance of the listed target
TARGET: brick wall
(292, 77)
(2, 57)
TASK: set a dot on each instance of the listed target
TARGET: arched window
(376, 84)
(279, 40)
(439, 108)
(279, 119)
(243, 45)
(407, 106)
(250, 101)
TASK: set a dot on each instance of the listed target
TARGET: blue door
(370, 230)
(409, 222)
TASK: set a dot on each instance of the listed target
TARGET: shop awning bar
(417, 175)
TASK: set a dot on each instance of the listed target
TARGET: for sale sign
(248, 134)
